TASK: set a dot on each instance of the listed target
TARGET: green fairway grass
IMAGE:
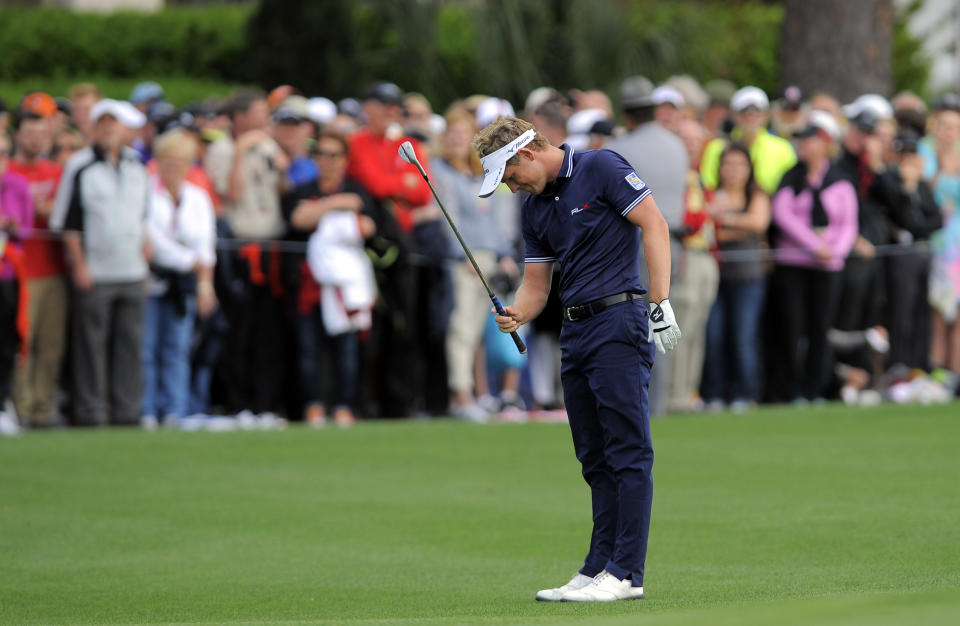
(779, 516)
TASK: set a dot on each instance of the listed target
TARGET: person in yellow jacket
(772, 156)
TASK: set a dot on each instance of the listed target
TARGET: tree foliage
(445, 49)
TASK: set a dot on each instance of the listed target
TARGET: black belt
(583, 311)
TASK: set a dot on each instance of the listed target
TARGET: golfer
(582, 213)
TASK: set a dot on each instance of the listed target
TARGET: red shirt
(42, 252)
(376, 164)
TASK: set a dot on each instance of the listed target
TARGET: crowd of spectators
(269, 257)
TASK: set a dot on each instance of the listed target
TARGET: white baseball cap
(492, 108)
(873, 103)
(495, 163)
(665, 94)
(579, 125)
(321, 110)
(749, 97)
(820, 121)
(123, 112)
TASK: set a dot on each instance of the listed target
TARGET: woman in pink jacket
(815, 226)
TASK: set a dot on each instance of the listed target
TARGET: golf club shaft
(493, 297)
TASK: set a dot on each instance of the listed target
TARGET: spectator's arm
(710, 163)
(20, 226)
(930, 218)
(236, 177)
(78, 262)
(217, 165)
(842, 232)
(790, 223)
(308, 212)
(168, 252)
(207, 243)
(64, 197)
(756, 219)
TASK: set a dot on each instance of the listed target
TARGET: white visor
(496, 162)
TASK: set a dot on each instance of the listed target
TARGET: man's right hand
(509, 323)
(81, 277)
(249, 139)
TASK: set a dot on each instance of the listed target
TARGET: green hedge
(508, 47)
(444, 49)
(179, 90)
(184, 41)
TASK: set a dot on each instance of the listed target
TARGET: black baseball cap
(947, 102)
(384, 93)
(791, 99)
(351, 107)
(603, 127)
(865, 121)
(64, 105)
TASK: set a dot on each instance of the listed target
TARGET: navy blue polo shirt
(579, 221)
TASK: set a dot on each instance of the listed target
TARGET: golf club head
(407, 154)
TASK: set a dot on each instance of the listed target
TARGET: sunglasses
(332, 155)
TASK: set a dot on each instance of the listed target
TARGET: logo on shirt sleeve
(634, 181)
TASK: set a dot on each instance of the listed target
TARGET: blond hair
(83, 90)
(177, 144)
(502, 131)
(456, 114)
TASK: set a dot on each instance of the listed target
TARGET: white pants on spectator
(545, 369)
(471, 306)
(692, 297)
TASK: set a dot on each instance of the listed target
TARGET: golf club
(407, 154)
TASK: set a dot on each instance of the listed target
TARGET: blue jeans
(209, 340)
(166, 357)
(731, 366)
(313, 343)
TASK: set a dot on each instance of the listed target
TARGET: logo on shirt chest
(575, 210)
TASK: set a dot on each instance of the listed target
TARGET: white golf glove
(663, 326)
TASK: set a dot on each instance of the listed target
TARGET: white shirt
(182, 231)
(338, 262)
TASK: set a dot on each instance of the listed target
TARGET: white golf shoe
(579, 581)
(605, 587)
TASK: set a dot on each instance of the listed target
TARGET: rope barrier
(755, 254)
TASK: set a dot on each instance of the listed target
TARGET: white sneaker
(579, 581)
(221, 424)
(193, 422)
(605, 587)
(270, 421)
(8, 424)
(149, 422)
(471, 413)
(246, 420)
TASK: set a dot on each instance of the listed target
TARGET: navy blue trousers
(605, 371)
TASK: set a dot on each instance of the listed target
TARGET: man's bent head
(499, 147)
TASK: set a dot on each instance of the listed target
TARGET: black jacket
(876, 199)
(916, 213)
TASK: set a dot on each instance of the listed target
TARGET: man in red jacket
(374, 161)
(405, 202)
(37, 379)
